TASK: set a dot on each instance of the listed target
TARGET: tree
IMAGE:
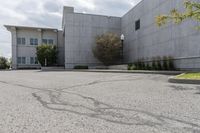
(108, 48)
(4, 63)
(192, 11)
(48, 53)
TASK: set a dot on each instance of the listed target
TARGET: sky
(48, 13)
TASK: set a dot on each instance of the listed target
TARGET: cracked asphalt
(82, 102)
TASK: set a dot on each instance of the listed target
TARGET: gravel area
(32, 101)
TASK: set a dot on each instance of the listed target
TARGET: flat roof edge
(30, 27)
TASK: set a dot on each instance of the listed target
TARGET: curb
(131, 72)
(183, 81)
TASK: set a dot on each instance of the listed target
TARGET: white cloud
(49, 13)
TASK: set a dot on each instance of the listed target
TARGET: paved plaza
(32, 101)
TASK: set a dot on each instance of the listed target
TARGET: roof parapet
(68, 9)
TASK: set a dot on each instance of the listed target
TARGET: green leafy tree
(4, 64)
(48, 53)
(192, 11)
(108, 48)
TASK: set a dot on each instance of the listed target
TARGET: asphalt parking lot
(88, 102)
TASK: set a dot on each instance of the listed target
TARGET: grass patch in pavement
(195, 76)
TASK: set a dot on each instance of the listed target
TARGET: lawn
(189, 76)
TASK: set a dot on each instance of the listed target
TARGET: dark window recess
(137, 25)
(50, 41)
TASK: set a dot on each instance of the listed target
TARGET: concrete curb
(183, 81)
(132, 71)
(52, 68)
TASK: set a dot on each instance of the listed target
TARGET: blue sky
(48, 13)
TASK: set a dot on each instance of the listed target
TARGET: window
(36, 60)
(21, 41)
(50, 41)
(33, 60)
(21, 60)
(33, 41)
(47, 41)
(137, 25)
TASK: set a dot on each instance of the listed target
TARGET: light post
(45, 62)
(122, 49)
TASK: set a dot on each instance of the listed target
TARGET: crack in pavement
(110, 113)
(183, 88)
(91, 107)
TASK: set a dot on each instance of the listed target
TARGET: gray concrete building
(143, 39)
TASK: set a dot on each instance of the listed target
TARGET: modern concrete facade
(80, 33)
(143, 39)
(179, 41)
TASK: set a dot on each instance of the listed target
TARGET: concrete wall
(61, 49)
(179, 41)
(80, 33)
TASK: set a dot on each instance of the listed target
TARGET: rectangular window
(50, 41)
(21, 41)
(19, 61)
(36, 60)
(36, 41)
(23, 60)
(47, 41)
(31, 60)
(137, 25)
(33, 41)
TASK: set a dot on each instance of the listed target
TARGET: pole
(45, 61)
(122, 53)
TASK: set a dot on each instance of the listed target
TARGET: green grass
(189, 76)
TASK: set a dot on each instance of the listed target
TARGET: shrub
(158, 64)
(165, 63)
(108, 48)
(147, 67)
(136, 65)
(48, 52)
(4, 63)
(80, 67)
(154, 64)
(139, 65)
(171, 63)
(131, 67)
(142, 65)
